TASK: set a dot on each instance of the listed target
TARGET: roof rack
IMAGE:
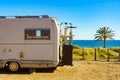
(27, 16)
(19, 17)
(2, 17)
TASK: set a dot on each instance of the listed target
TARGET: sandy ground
(82, 70)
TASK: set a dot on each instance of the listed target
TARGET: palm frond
(104, 33)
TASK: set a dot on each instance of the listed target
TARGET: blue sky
(87, 15)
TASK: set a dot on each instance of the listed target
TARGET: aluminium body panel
(13, 43)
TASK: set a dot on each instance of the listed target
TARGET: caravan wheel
(13, 66)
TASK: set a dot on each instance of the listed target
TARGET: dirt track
(82, 70)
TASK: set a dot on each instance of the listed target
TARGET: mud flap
(67, 55)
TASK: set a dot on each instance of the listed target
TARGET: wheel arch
(7, 62)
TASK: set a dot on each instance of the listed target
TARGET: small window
(33, 34)
(38, 33)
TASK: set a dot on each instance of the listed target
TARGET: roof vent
(45, 16)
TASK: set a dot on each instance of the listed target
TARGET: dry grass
(82, 70)
(89, 53)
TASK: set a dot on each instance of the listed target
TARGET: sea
(95, 44)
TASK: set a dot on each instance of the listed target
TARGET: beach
(81, 70)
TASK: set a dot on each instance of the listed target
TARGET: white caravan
(28, 42)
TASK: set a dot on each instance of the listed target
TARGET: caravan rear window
(34, 34)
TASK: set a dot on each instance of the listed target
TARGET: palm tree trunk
(104, 42)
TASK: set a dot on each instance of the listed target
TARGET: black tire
(13, 67)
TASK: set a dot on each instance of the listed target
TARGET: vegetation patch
(89, 53)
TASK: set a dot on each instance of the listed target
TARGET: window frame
(34, 36)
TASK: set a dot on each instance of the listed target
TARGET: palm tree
(104, 33)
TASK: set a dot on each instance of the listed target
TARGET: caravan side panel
(30, 52)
